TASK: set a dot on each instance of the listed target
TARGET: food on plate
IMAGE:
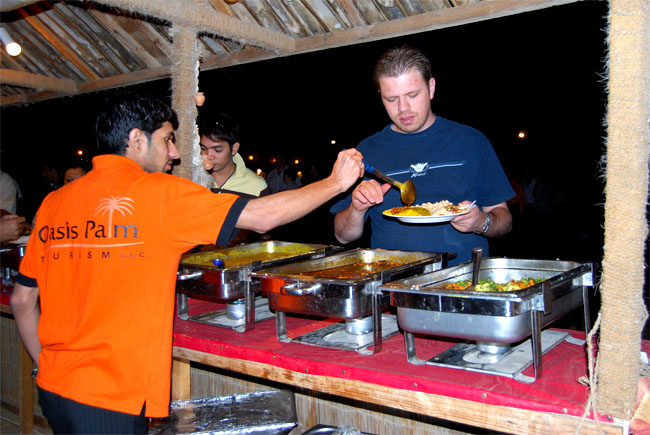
(409, 211)
(440, 208)
(488, 285)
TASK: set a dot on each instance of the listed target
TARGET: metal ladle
(406, 189)
(477, 255)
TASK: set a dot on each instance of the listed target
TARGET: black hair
(122, 113)
(219, 126)
(400, 60)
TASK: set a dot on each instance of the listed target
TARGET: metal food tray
(424, 306)
(293, 288)
(290, 290)
(230, 280)
(199, 278)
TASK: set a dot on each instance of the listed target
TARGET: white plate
(425, 219)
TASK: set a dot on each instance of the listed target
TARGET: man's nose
(173, 152)
(402, 104)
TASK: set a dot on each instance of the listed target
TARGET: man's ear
(137, 140)
(234, 148)
(432, 87)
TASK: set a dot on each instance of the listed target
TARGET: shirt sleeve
(193, 215)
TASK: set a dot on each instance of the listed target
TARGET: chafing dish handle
(293, 290)
(186, 276)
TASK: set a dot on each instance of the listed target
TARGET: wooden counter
(381, 393)
(552, 404)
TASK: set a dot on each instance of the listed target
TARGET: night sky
(539, 71)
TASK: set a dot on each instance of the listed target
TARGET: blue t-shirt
(446, 161)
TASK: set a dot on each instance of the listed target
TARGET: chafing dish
(494, 320)
(344, 286)
(225, 275)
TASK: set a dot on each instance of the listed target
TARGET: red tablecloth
(557, 391)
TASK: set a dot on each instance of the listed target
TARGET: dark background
(538, 71)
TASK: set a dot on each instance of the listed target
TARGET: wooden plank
(37, 81)
(115, 24)
(221, 7)
(60, 45)
(181, 375)
(94, 34)
(132, 78)
(424, 22)
(83, 46)
(352, 13)
(507, 419)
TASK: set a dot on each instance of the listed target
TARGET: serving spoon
(406, 189)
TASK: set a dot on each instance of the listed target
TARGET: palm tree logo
(113, 204)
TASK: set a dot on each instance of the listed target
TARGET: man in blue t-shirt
(444, 159)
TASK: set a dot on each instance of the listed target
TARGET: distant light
(273, 160)
(12, 47)
(250, 157)
(80, 152)
(259, 171)
(523, 134)
(333, 141)
(296, 162)
(299, 173)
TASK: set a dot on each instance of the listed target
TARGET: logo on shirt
(93, 229)
(114, 204)
(421, 169)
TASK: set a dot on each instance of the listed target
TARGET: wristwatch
(486, 225)
(34, 372)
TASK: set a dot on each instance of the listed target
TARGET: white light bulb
(13, 48)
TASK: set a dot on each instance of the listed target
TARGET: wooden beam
(204, 18)
(37, 81)
(426, 22)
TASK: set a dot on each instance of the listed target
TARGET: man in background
(220, 144)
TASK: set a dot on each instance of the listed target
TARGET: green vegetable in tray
(488, 285)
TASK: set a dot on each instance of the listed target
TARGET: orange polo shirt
(104, 253)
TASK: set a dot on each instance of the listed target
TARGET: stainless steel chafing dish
(343, 285)
(225, 275)
(494, 320)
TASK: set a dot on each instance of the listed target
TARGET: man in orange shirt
(103, 258)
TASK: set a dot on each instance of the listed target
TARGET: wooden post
(626, 227)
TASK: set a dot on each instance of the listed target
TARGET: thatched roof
(73, 47)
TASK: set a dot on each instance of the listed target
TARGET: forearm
(27, 313)
(265, 213)
(348, 225)
(500, 222)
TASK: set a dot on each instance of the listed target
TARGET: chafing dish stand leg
(376, 324)
(181, 306)
(281, 326)
(249, 306)
(536, 341)
(411, 355)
